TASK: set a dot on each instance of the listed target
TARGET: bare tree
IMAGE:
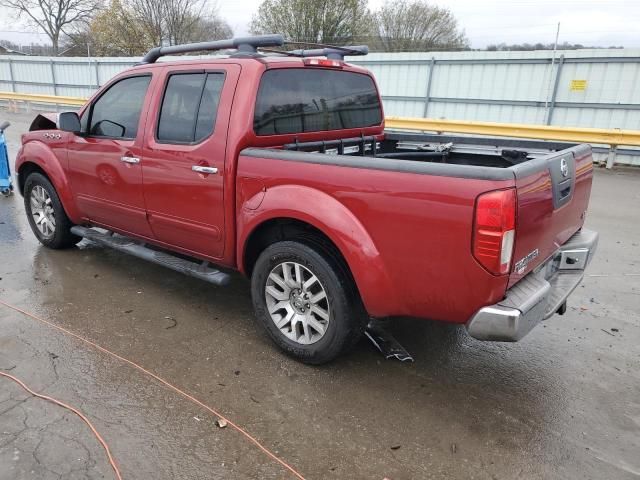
(149, 15)
(177, 21)
(414, 25)
(181, 16)
(208, 28)
(132, 28)
(324, 21)
(54, 17)
(114, 31)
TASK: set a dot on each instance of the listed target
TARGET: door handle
(130, 159)
(201, 169)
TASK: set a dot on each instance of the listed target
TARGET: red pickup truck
(278, 166)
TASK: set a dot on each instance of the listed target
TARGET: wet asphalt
(562, 403)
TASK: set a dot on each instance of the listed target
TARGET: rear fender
(40, 154)
(338, 223)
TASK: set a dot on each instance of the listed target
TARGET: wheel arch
(37, 157)
(320, 218)
(26, 169)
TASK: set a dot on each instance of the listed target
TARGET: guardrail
(613, 138)
(37, 98)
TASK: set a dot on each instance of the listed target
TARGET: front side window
(117, 112)
(189, 107)
(310, 100)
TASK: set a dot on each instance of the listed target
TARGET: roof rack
(332, 53)
(242, 44)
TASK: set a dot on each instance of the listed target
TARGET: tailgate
(553, 195)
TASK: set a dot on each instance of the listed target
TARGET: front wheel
(46, 215)
(305, 302)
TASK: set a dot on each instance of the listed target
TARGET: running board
(137, 249)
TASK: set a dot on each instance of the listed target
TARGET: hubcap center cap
(298, 302)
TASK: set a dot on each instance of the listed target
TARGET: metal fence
(583, 88)
(73, 77)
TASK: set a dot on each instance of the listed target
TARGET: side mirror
(69, 122)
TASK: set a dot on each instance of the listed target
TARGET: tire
(344, 323)
(55, 227)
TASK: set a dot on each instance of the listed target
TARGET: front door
(104, 163)
(184, 159)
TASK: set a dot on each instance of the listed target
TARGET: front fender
(40, 154)
(339, 224)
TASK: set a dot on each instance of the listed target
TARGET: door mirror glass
(69, 122)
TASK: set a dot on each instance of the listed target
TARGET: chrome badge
(564, 168)
(521, 265)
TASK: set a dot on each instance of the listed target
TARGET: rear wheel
(46, 215)
(305, 302)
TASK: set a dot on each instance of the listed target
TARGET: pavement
(564, 403)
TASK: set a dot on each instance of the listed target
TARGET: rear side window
(116, 113)
(189, 107)
(311, 100)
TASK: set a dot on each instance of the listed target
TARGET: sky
(600, 23)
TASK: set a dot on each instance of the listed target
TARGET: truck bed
(415, 195)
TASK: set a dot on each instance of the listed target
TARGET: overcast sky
(590, 22)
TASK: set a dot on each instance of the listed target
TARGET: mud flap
(385, 342)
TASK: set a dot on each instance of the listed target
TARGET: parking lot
(563, 403)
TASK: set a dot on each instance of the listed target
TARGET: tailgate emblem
(521, 265)
(564, 168)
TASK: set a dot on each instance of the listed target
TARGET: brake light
(494, 230)
(322, 62)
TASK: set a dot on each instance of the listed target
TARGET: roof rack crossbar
(332, 53)
(242, 44)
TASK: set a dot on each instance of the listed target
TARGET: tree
(174, 22)
(414, 25)
(135, 27)
(54, 17)
(538, 46)
(321, 21)
(210, 28)
(112, 32)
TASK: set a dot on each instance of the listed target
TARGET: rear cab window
(299, 100)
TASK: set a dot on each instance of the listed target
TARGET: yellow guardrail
(600, 136)
(613, 137)
(37, 98)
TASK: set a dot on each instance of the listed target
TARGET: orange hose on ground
(233, 425)
(77, 412)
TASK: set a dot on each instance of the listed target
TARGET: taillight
(494, 230)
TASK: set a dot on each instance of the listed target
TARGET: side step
(137, 249)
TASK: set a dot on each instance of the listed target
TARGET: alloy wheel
(297, 303)
(42, 211)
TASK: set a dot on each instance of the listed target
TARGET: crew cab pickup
(279, 166)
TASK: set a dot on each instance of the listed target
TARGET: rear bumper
(537, 296)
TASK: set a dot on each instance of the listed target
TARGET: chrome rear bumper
(537, 296)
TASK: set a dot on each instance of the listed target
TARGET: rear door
(184, 158)
(553, 196)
